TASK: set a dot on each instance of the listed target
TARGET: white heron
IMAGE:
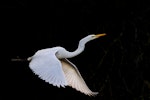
(52, 65)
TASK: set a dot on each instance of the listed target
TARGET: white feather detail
(48, 68)
(74, 78)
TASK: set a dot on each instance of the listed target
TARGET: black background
(117, 65)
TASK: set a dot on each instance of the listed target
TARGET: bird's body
(52, 65)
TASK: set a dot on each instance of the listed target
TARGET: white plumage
(52, 65)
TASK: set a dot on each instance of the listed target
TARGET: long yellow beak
(99, 35)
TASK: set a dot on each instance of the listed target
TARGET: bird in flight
(53, 66)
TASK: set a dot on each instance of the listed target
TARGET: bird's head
(89, 38)
(93, 36)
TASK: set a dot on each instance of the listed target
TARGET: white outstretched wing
(74, 79)
(47, 66)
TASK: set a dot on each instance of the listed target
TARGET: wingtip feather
(93, 94)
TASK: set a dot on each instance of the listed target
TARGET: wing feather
(48, 68)
(74, 78)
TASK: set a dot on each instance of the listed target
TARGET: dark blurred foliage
(117, 65)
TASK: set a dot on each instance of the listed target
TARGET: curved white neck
(80, 48)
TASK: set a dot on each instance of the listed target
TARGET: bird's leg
(18, 59)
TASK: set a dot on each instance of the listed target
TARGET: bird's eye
(93, 36)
